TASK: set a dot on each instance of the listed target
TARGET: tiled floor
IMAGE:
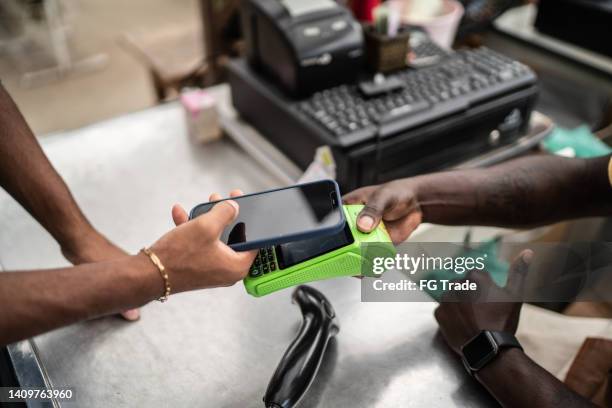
(95, 27)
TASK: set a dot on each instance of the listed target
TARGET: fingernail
(365, 222)
(131, 315)
(233, 204)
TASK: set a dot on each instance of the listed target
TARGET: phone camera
(333, 198)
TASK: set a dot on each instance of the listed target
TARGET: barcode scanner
(302, 359)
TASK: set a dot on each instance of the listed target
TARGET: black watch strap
(505, 339)
(484, 348)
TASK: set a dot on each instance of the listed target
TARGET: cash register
(303, 84)
(304, 45)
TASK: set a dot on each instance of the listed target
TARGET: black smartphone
(283, 215)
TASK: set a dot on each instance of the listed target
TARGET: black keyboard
(408, 98)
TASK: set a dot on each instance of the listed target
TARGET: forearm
(526, 192)
(27, 174)
(516, 381)
(33, 302)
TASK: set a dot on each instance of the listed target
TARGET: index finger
(359, 196)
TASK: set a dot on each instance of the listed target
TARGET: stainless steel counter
(213, 348)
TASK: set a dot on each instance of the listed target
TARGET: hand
(94, 247)
(394, 202)
(194, 256)
(461, 319)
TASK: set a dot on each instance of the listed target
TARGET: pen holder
(386, 53)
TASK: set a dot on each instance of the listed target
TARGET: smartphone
(283, 215)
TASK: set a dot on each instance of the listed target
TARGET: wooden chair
(174, 57)
(189, 56)
(222, 36)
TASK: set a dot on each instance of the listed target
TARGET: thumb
(221, 215)
(372, 213)
(518, 272)
(246, 258)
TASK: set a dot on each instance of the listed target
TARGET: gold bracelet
(162, 272)
(610, 171)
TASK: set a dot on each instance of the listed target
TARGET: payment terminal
(347, 253)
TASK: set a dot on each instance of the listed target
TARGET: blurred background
(69, 63)
(102, 78)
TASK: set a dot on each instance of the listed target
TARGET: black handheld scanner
(300, 363)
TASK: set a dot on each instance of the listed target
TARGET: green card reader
(348, 253)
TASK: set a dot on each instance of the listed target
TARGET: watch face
(479, 351)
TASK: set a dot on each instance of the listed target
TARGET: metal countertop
(213, 348)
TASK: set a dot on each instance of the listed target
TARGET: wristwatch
(481, 349)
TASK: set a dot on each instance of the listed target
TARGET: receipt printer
(303, 45)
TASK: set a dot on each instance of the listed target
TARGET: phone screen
(296, 252)
(283, 215)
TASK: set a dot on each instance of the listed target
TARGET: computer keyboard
(356, 112)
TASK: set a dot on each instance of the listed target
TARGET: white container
(201, 115)
(441, 27)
